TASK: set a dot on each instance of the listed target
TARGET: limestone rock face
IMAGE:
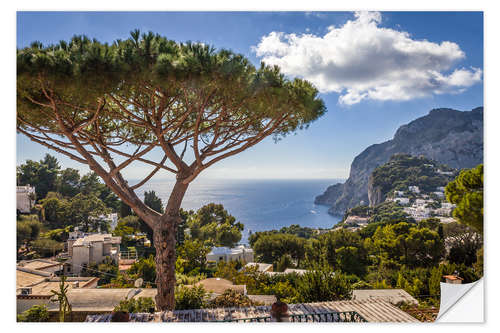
(448, 136)
(375, 196)
(330, 196)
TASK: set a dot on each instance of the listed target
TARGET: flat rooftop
(393, 296)
(82, 241)
(44, 285)
(39, 264)
(26, 279)
(96, 299)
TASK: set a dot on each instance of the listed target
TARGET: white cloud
(362, 60)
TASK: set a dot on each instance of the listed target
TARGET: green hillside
(404, 170)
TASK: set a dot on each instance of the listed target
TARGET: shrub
(36, 313)
(190, 297)
(145, 268)
(231, 298)
(381, 285)
(271, 247)
(227, 270)
(47, 247)
(139, 305)
(120, 281)
(59, 235)
(361, 285)
(182, 279)
(322, 284)
(282, 290)
(193, 253)
(284, 263)
(28, 229)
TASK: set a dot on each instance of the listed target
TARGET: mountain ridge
(448, 136)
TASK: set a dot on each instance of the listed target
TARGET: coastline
(260, 204)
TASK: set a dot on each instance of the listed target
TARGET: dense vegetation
(87, 100)
(385, 254)
(214, 225)
(64, 200)
(384, 213)
(392, 251)
(37, 313)
(47, 176)
(136, 305)
(230, 298)
(400, 172)
(466, 191)
(404, 170)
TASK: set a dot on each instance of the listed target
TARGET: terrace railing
(128, 254)
(335, 317)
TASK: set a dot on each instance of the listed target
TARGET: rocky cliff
(403, 171)
(375, 195)
(450, 137)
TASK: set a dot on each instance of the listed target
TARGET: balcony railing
(128, 255)
(332, 317)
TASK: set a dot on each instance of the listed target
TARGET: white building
(85, 249)
(25, 197)
(443, 211)
(423, 202)
(363, 224)
(288, 271)
(418, 213)
(414, 189)
(448, 173)
(399, 193)
(402, 201)
(440, 189)
(448, 205)
(226, 254)
(354, 221)
(111, 218)
(439, 194)
(445, 220)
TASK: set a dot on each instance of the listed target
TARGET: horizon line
(235, 178)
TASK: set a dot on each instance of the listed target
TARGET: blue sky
(376, 72)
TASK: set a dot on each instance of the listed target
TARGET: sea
(259, 204)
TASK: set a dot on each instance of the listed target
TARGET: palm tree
(62, 298)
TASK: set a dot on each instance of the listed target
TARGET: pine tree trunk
(165, 258)
(164, 239)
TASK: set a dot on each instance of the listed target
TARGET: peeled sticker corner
(462, 303)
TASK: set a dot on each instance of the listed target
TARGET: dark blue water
(258, 204)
